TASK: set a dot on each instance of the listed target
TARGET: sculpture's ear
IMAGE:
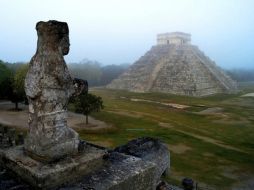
(39, 25)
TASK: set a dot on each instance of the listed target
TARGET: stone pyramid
(175, 66)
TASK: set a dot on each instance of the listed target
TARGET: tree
(18, 94)
(87, 103)
(111, 72)
(95, 73)
(6, 78)
(242, 75)
(14, 66)
(86, 70)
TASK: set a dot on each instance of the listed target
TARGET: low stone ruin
(137, 165)
(9, 137)
(53, 156)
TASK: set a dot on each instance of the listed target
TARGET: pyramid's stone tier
(183, 70)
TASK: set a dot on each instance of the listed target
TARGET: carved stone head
(53, 36)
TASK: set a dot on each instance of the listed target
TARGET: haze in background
(118, 31)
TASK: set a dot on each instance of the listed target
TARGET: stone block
(50, 175)
(149, 150)
(138, 165)
(120, 172)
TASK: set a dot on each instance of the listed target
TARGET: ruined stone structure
(177, 38)
(175, 66)
(53, 157)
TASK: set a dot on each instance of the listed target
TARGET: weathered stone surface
(150, 150)
(48, 86)
(137, 165)
(8, 182)
(173, 38)
(120, 172)
(165, 186)
(50, 175)
(177, 68)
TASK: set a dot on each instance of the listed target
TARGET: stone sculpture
(49, 151)
(48, 86)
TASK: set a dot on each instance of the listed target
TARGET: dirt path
(77, 121)
(14, 119)
(248, 95)
(134, 114)
(19, 118)
(172, 105)
(179, 148)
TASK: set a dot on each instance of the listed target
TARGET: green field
(214, 148)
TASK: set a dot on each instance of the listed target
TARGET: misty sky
(118, 31)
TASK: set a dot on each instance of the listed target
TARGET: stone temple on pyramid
(175, 66)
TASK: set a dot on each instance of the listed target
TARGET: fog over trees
(98, 75)
(95, 73)
(241, 75)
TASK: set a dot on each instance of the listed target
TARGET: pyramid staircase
(177, 69)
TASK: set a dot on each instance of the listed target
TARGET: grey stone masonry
(175, 68)
(48, 86)
(138, 165)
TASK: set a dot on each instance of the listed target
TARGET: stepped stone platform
(175, 66)
(137, 165)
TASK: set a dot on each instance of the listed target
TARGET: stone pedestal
(138, 165)
(50, 175)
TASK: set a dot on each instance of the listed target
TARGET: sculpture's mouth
(65, 50)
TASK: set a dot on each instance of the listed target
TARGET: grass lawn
(215, 149)
(211, 140)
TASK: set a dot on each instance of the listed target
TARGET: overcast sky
(118, 31)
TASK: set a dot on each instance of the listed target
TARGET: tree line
(95, 73)
(98, 75)
(12, 76)
(241, 75)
